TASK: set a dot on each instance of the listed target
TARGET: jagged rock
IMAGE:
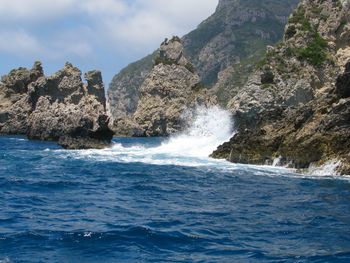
(59, 108)
(170, 90)
(15, 104)
(304, 116)
(95, 85)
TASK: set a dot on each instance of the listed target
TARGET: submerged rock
(303, 115)
(59, 108)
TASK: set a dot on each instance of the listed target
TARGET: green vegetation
(166, 61)
(239, 39)
(266, 86)
(261, 63)
(300, 18)
(316, 9)
(315, 52)
(162, 60)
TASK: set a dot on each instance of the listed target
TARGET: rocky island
(56, 108)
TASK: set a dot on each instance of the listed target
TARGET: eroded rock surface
(171, 90)
(296, 106)
(59, 108)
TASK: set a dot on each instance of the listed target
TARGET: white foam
(277, 161)
(211, 127)
(19, 139)
(327, 169)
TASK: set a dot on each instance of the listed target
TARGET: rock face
(170, 90)
(226, 46)
(223, 49)
(123, 92)
(296, 107)
(59, 108)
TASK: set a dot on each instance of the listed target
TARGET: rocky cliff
(59, 108)
(296, 107)
(167, 95)
(123, 93)
(223, 49)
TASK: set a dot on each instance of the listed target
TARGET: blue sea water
(142, 201)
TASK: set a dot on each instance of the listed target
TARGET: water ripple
(60, 206)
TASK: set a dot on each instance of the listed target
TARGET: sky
(92, 34)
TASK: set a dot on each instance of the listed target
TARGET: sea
(165, 200)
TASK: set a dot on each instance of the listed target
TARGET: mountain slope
(222, 48)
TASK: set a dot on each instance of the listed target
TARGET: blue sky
(92, 34)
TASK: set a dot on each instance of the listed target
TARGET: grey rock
(303, 116)
(58, 108)
(170, 90)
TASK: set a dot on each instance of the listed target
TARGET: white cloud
(77, 42)
(19, 42)
(60, 49)
(140, 31)
(34, 10)
(104, 7)
(149, 21)
(72, 29)
(180, 12)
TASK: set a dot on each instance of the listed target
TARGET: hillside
(223, 49)
(295, 109)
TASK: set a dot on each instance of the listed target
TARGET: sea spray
(210, 128)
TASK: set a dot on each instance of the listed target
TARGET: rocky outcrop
(170, 91)
(58, 108)
(123, 92)
(296, 106)
(223, 49)
(15, 105)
